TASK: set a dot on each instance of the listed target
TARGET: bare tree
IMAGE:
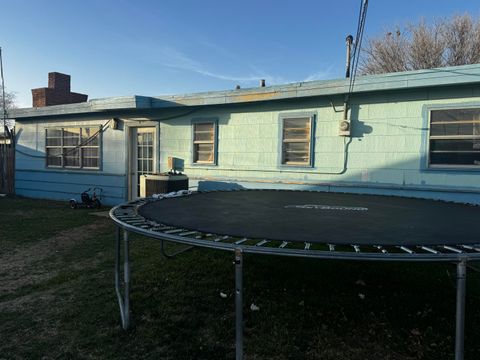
(9, 104)
(448, 42)
(425, 48)
(462, 41)
(386, 54)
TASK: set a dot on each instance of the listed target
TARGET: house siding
(34, 179)
(387, 151)
(386, 154)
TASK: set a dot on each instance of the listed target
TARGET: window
(73, 147)
(296, 140)
(204, 142)
(455, 138)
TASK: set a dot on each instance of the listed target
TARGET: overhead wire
(362, 16)
(88, 140)
(71, 150)
(354, 52)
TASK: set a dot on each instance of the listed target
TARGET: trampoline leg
(238, 304)
(123, 301)
(172, 255)
(460, 316)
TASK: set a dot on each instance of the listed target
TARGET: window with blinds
(204, 138)
(73, 147)
(296, 141)
(455, 138)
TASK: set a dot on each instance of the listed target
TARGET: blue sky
(115, 48)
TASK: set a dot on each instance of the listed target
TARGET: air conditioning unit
(162, 183)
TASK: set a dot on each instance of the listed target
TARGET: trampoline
(303, 224)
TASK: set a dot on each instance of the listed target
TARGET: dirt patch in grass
(26, 214)
(26, 265)
(26, 301)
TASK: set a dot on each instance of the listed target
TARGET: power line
(83, 143)
(101, 130)
(362, 17)
(4, 112)
(4, 123)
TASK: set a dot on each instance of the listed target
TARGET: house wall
(34, 179)
(386, 154)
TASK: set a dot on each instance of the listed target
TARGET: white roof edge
(448, 76)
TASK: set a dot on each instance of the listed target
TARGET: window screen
(73, 147)
(204, 138)
(455, 137)
(296, 141)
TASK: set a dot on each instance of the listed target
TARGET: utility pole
(4, 123)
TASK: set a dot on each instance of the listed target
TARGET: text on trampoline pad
(327, 207)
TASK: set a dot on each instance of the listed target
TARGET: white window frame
(64, 148)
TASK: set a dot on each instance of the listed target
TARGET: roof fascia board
(458, 75)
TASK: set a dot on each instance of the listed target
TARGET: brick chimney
(57, 93)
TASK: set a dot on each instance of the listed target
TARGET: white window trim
(80, 147)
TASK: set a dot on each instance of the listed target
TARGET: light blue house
(412, 134)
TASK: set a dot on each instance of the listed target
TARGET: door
(143, 157)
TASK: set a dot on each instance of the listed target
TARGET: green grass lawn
(57, 299)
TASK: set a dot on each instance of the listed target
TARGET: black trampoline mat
(333, 218)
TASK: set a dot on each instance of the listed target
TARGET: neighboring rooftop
(448, 76)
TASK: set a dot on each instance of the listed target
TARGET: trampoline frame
(126, 218)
